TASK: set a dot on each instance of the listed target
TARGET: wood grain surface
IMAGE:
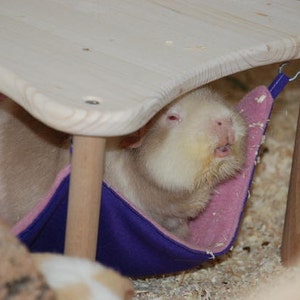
(84, 197)
(106, 67)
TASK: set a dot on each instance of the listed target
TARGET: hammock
(135, 245)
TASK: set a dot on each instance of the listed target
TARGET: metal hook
(281, 81)
(280, 71)
(294, 77)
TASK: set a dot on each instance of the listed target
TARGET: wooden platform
(103, 68)
(132, 56)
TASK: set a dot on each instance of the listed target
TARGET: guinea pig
(81, 279)
(32, 154)
(25, 275)
(170, 167)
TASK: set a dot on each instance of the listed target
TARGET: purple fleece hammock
(136, 246)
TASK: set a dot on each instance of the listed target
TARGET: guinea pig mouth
(223, 150)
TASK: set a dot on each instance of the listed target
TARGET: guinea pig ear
(133, 140)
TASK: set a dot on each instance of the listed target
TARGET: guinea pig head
(195, 142)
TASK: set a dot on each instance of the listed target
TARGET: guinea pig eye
(173, 117)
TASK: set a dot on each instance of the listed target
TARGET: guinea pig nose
(223, 129)
(224, 122)
(223, 151)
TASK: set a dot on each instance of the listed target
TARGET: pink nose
(223, 129)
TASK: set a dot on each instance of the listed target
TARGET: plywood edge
(96, 122)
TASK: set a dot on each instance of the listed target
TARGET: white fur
(63, 272)
(170, 173)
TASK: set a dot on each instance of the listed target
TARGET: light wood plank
(135, 56)
(84, 196)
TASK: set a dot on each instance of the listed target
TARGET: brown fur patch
(77, 291)
(31, 156)
(119, 285)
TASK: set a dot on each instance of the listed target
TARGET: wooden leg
(290, 250)
(84, 196)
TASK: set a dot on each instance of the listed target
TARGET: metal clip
(281, 71)
(281, 81)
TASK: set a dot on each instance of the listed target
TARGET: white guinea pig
(169, 168)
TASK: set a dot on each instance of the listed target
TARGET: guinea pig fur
(32, 154)
(169, 168)
(74, 278)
